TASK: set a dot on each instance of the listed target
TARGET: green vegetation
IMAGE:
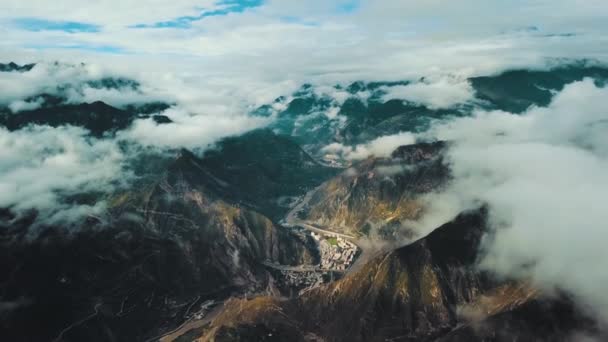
(333, 241)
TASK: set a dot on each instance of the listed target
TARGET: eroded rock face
(376, 197)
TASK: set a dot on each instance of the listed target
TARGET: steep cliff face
(378, 196)
(162, 251)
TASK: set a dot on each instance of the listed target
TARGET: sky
(317, 39)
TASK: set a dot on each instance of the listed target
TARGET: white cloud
(39, 166)
(380, 147)
(313, 42)
(435, 94)
(20, 105)
(544, 177)
(191, 131)
(70, 81)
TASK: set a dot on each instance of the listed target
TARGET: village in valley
(336, 255)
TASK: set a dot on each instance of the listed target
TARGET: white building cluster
(337, 255)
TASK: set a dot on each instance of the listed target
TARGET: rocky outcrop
(378, 196)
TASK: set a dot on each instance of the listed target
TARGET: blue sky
(219, 8)
(347, 28)
(36, 24)
(225, 7)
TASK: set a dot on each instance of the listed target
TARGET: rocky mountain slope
(266, 170)
(427, 291)
(380, 195)
(161, 252)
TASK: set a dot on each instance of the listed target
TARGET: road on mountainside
(189, 325)
(322, 231)
(300, 269)
(292, 219)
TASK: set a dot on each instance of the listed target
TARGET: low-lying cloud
(190, 130)
(380, 147)
(77, 83)
(444, 92)
(543, 175)
(42, 166)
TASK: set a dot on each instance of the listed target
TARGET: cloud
(385, 39)
(380, 147)
(435, 94)
(543, 175)
(191, 131)
(40, 167)
(50, 78)
(20, 105)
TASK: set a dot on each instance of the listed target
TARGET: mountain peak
(12, 66)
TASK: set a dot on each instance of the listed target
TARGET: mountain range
(228, 242)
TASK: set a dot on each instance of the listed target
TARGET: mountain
(517, 90)
(57, 105)
(427, 291)
(317, 120)
(13, 67)
(161, 253)
(363, 111)
(267, 171)
(97, 117)
(380, 195)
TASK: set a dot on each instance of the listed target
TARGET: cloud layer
(380, 147)
(40, 167)
(435, 94)
(544, 177)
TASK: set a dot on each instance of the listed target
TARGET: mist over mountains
(473, 204)
(317, 171)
